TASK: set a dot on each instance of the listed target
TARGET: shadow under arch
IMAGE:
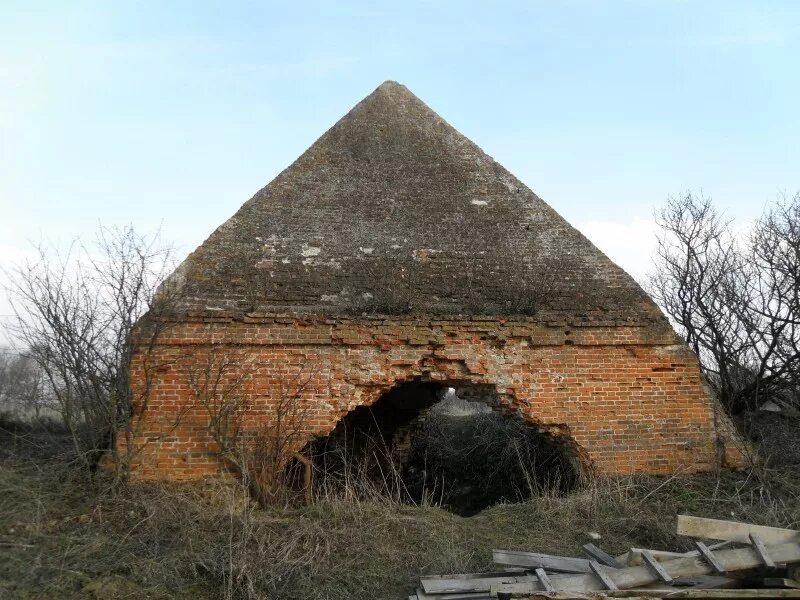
(453, 443)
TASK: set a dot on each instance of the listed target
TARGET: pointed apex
(391, 84)
(393, 89)
(393, 210)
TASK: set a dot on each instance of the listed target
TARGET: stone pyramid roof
(393, 211)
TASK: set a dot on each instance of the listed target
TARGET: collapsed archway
(446, 443)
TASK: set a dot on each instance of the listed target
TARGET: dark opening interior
(441, 443)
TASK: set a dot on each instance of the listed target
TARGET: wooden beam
(656, 567)
(736, 559)
(782, 582)
(734, 594)
(634, 555)
(715, 529)
(686, 594)
(761, 550)
(599, 570)
(709, 557)
(422, 595)
(708, 582)
(456, 584)
(544, 580)
(560, 564)
(481, 575)
(602, 556)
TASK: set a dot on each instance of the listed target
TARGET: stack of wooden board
(746, 561)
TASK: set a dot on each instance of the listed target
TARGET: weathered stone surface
(394, 211)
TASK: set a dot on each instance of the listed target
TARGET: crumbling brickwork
(630, 398)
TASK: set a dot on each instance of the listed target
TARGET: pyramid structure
(393, 211)
(395, 253)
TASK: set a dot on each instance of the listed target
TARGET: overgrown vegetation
(75, 316)
(468, 462)
(63, 535)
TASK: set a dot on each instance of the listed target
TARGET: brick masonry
(628, 396)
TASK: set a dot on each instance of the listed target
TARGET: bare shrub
(358, 467)
(735, 301)
(255, 438)
(75, 317)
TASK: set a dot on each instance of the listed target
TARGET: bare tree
(258, 436)
(735, 301)
(76, 314)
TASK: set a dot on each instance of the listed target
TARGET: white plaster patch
(329, 297)
(285, 261)
(366, 250)
(479, 202)
(313, 261)
(310, 251)
(367, 296)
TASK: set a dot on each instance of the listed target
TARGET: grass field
(64, 534)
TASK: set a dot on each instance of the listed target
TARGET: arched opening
(444, 443)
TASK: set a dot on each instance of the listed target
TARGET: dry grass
(64, 534)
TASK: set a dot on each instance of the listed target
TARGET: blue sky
(172, 114)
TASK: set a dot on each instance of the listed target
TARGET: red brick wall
(629, 397)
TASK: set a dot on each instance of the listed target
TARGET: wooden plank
(544, 580)
(600, 571)
(634, 555)
(761, 550)
(454, 584)
(781, 582)
(730, 594)
(685, 594)
(602, 556)
(734, 594)
(709, 557)
(708, 582)
(736, 559)
(659, 570)
(560, 564)
(719, 545)
(734, 531)
(421, 595)
(503, 573)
